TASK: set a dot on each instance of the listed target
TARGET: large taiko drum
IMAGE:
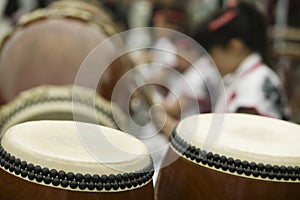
(57, 165)
(67, 102)
(48, 46)
(254, 158)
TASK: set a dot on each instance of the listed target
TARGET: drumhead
(45, 146)
(49, 102)
(249, 145)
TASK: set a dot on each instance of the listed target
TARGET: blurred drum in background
(49, 102)
(254, 158)
(48, 160)
(48, 45)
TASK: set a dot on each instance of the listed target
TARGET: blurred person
(236, 40)
(15, 9)
(188, 86)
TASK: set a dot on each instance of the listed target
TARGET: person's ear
(236, 45)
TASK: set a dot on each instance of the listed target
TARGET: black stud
(223, 159)
(115, 186)
(237, 162)
(276, 168)
(11, 167)
(282, 169)
(47, 180)
(268, 167)
(82, 185)
(286, 177)
(210, 155)
(290, 169)
(24, 173)
(87, 178)
(17, 162)
(99, 186)
(231, 168)
(245, 164)
(17, 170)
(119, 177)
(131, 176)
(62, 174)
(64, 183)
(78, 177)
(210, 163)
(55, 182)
(217, 165)
(23, 164)
(128, 185)
(264, 174)
(45, 171)
(125, 176)
(70, 176)
(260, 166)
(39, 178)
(73, 184)
(37, 169)
(297, 169)
(230, 161)
(122, 185)
(6, 165)
(256, 173)
(247, 172)
(224, 167)
(216, 157)
(12, 159)
(134, 183)
(271, 175)
(107, 186)
(53, 173)
(2, 162)
(252, 165)
(240, 170)
(30, 167)
(104, 178)
(96, 178)
(91, 186)
(111, 178)
(279, 176)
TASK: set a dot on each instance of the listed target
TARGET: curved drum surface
(48, 160)
(254, 158)
(67, 102)
(48, 45)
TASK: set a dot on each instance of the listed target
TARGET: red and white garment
(193, 87)
(253, 86)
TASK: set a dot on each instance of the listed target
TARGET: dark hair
(242, 21)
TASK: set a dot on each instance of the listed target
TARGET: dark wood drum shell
(254, 157)
(13, 187)
(46, 48)
(187, 180)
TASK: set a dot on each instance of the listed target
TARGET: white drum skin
(54, 159)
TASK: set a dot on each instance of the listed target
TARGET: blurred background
(282, 19)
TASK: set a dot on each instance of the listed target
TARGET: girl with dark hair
(236, 40)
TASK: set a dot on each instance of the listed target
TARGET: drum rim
(75, 182)
(58, 13)
(39, 96)
(233, 166)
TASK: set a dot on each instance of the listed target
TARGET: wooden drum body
(57, 165)
(48, 46)
(254, 158)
